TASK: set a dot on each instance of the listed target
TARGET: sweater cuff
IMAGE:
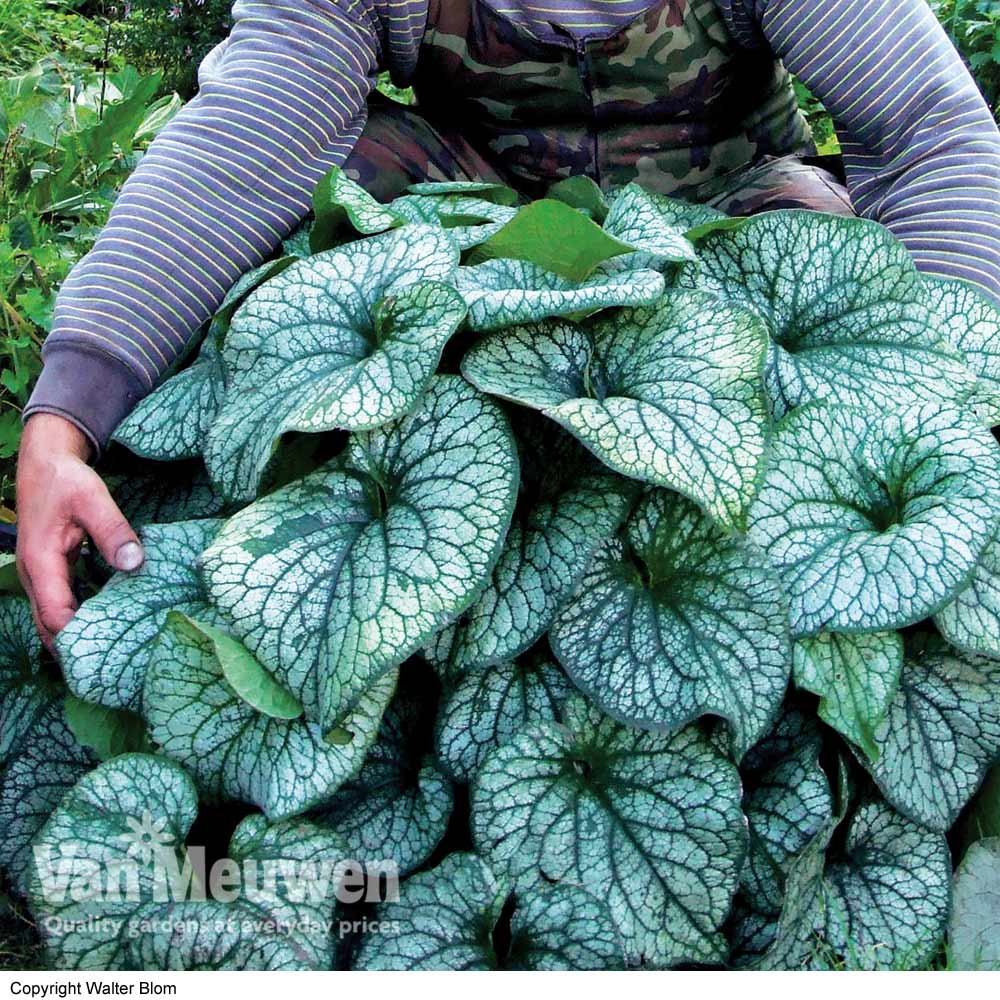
(94, 391)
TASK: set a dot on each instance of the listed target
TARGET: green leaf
(501, 293)
(974, 930)
(489, 705)
(10, 582)
(972, 324)
(787, 802)
(940, 735)
(96, 834)
(107, 732)
(875, 525)
(855, 676)
(845, 307)
(172, 423)
(450, 919)
(234, 751)
(669, 395)
(398, 806)
(982, 818)
(24, 689)
(583, 194)
(650, 824)
(469, 221)
(554, 236)
(972, 621)
(881, 903)
(675, 620)
(550, 545)
(47, 763)
(348, 339)
(635, 217)
(339, 577)
(105, 649)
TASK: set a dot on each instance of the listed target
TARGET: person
(691, 98)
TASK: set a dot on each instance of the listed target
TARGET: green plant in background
(974, 27)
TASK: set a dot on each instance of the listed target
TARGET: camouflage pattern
(669, 99)
(400, 147)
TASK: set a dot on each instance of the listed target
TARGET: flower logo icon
(146, 837)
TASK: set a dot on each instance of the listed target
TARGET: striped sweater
(284, 100)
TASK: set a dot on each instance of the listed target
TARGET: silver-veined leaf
(855, 676)
(447, 920)
(24, 689)
(233, 751)
(972, 324)
(676, 620)
(880, 903)
(47, 763)
(345, 340)
(875, 524)
(940, 735)
(845, 307)
(489, 705)
(492, 191)
(650, 824)
(972, 621)
(787, 802)
(502, 293)
(635, 217)
(105, 649)
(337, 578)
(468, 219)
(125, 824)
(669, 395)
(398, 806)
(974, 930)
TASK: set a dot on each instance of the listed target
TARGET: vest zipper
(584, 70)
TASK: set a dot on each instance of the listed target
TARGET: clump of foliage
(974, 27)
(625, 572)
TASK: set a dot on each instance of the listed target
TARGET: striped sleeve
(281, 101)
(921, 148)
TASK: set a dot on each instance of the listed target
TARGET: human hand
(61, 500)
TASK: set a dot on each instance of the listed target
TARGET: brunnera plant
(625, 573)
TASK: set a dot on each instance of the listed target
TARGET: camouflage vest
(671, 100)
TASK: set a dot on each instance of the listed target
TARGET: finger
(51, 596)
(99, 516)
(48, 639)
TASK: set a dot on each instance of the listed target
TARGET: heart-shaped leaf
(469, 220)
(340, 206)
(940, 735)
(105, 649)
(650, 824)
(339, 577)
(845, 307)
(502, 293)
(498, 194)
(124, 825)
(669, 395)
(348, 339)
(231, 749)
(452, 918)
(974, 931)
(398, 806)
(855, 676)
(881, 903)
(489, 705)
(583, 194)
(674, 620)
(875, 525)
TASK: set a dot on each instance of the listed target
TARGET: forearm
(921, 149)
(212, 198)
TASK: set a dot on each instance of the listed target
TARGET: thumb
(99, 516)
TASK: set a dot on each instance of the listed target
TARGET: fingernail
(128, 557)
